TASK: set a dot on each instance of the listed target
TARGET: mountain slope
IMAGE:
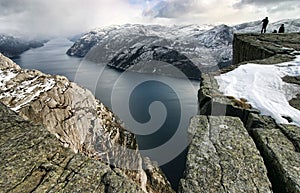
(12, 47)
(203, 45)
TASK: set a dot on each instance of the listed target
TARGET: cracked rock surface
(33, 160)
(279, 145)
(222, 157)
(280, 148)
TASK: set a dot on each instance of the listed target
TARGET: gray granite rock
(213, 102)
(222, 158)
(281, 156)
(280, 147)
(249, 47)
(278, 144)
(33, 160)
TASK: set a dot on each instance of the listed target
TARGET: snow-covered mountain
(140, 59)
(11, 46)
(205, 45)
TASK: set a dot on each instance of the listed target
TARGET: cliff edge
(233, 147)
(78, 121)
(33, 160)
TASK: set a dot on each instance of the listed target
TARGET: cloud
(173, 8)
(61, 17)
(270, 6)
(65, 17)
(275, 9)
(262, 2)
(222, 11)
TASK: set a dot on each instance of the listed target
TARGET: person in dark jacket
(281, 29)
(264, 25)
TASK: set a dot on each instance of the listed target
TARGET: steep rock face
(261, 46)
(76, 118)
(223, 158)
(33, 160)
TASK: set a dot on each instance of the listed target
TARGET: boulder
(222, 157)
(280, 149)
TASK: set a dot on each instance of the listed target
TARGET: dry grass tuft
(240, 102)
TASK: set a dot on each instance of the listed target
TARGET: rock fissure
(44, 174)
(215, 147)
(24, 178)
(291, 136)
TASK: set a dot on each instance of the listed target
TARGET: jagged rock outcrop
(222, 157)
(278, 144)
(77, 119)
(33, 160)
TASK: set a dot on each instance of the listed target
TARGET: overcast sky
(64, 17)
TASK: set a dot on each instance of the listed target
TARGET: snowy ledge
(264, 89)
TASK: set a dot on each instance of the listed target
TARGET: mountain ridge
(12, 46)
(205, 45)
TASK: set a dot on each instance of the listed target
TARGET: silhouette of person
(281, 29)
(264, 25)
(275, 31)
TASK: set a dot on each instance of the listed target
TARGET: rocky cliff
(79, 122)
(233, 147)
(249, 47)
(33, 160)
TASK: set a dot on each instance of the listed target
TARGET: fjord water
(141, 100)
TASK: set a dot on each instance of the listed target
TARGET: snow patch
(264, 89)
(26, 91)
(6, 76)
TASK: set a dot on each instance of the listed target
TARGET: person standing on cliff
(264, 25)
(281, 29)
